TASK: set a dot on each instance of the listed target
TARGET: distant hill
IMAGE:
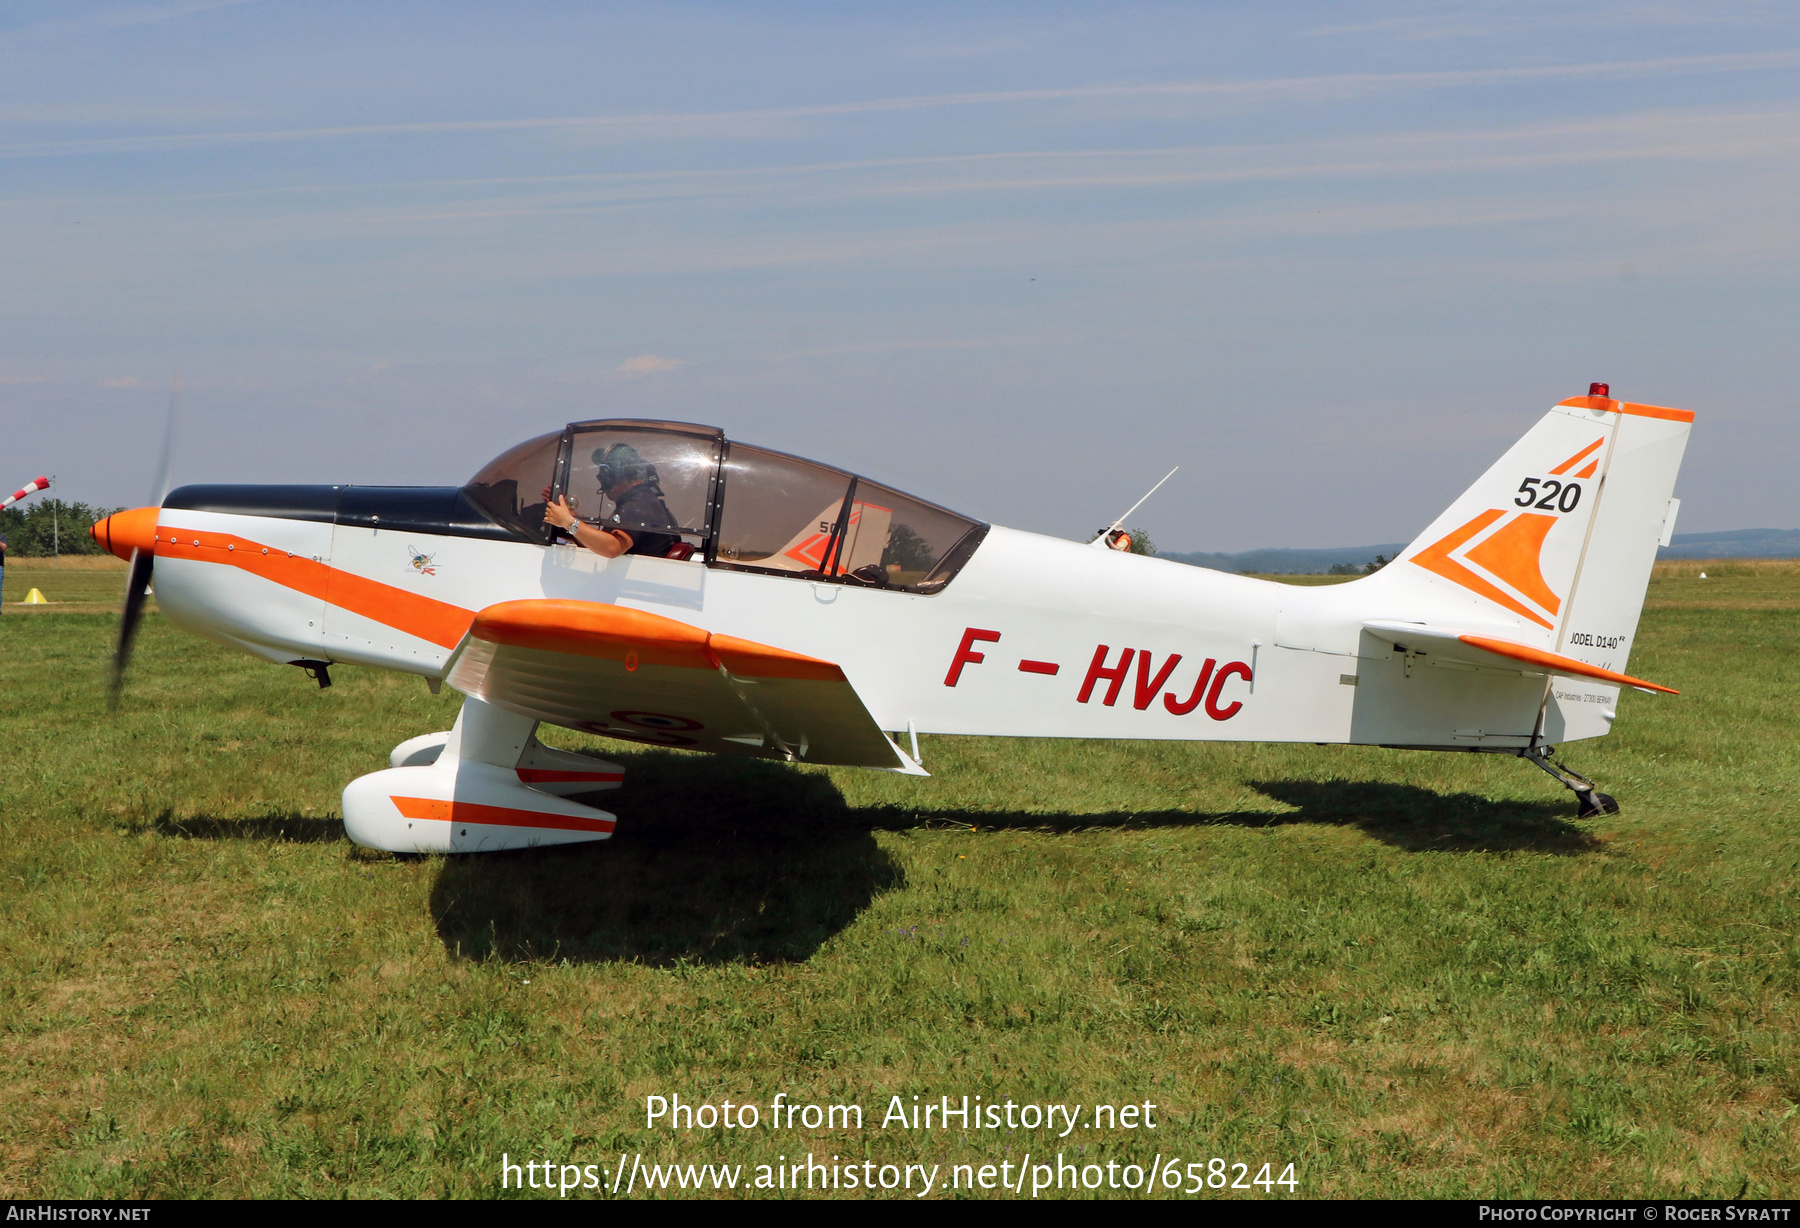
(1734, 544)
(1287, 562)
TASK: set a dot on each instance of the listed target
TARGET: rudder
(1636, 513)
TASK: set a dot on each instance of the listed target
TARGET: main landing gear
(487, 784)
(1591, 803)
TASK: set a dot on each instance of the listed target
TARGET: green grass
(73, 584)
(1407, 974)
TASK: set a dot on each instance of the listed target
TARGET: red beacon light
(1600, 390)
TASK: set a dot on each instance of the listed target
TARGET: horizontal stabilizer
(1485, 650)
(639, 676)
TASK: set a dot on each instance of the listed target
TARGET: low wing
(1473, 649)
(635, 675)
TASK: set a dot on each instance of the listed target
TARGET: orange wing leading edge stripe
(637, 637)
(593, 629)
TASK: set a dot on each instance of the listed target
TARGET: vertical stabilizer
(1553, 546)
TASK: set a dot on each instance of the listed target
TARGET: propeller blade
(160, 489)
(136, 586)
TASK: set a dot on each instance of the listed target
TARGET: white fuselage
(1007, 648)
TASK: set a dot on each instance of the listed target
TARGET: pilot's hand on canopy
(607, 543)
(558, 513)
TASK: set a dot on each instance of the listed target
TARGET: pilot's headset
(620, 463)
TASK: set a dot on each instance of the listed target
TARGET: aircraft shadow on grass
(715, 861)
(720, 860)
(1404, 816)
(288, 828)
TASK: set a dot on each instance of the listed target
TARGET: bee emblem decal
(422, 563)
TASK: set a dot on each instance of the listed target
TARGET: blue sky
(1020, 259)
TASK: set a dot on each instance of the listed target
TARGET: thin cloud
(123, 18)
(1760, 142)
(23, 379)
(1709, 134)
(1314, 89)
(964, 51)
(1462, 22)
(646, 364)
(1660, 137)
(1642, 136)
(896, 347)
(123, 381)
(131, 113)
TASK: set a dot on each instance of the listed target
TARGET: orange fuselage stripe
(438, 622)
(494, 816)
(1559, 663)
(582, 628)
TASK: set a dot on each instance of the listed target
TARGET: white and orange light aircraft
(789, 610)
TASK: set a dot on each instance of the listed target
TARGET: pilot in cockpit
(631, 483)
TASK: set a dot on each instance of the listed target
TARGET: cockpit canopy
(729, 504)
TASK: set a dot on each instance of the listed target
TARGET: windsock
(30, 488)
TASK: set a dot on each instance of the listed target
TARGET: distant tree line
(1367, 569)
(1140, 541)
(39, 527)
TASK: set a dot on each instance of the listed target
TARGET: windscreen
(511, 488)
(896, 541)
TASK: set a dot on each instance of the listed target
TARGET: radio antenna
(1101, 539)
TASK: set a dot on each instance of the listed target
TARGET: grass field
(1405, 974)
(77, 584)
